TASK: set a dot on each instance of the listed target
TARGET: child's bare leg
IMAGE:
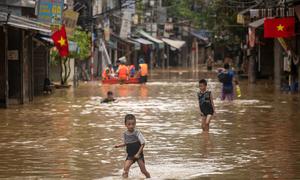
(203, 122)
(207, 122)
(143, 168)
(127, 165)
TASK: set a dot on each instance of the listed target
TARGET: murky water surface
(70, 134)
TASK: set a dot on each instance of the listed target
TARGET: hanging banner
(126, 25)
(70, 18)
(50, 11)
(128, 6)
(251, 32)
(106, 33)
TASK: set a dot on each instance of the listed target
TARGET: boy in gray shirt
(134, 142)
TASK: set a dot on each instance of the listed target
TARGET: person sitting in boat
(143, 71)
(109, 98)
(123, 72)
(131, 71)
(105, 74)
(108, 73)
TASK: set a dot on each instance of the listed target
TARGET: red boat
(117, 81)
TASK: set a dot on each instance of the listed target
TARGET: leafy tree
(213, 15)
(83, 41)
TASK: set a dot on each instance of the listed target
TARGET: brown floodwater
(70, 135)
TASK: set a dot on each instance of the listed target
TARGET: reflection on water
(71, 135)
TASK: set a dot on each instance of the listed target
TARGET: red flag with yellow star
(279, 27)
(61, 42)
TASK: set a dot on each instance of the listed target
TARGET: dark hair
(110, 93)
(203, 81)
(226, 66)
(129, 117)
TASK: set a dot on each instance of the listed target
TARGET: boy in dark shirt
(134, 142)
(206, 104)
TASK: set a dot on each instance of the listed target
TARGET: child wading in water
(134, 142)
(206, 104)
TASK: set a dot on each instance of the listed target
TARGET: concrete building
(268, 56)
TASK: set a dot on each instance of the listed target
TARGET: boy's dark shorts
(135, 160)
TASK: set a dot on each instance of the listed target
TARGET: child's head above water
(130, 122)
(110, 94)
(202, 85)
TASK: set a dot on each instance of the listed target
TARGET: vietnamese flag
(61, 42)
(279, 27)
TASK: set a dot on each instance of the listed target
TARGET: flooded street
(71, 135)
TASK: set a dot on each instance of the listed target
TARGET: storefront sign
(126, 25)
(240, 19)
(13, 55)
(97, 7)
(70, 20)
(276, 12)
(50, 11)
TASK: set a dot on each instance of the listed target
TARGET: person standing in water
(143, 71)
(135, 143)
(206, 104)
(227, 77)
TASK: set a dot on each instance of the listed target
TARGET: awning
(256, 24)
(21, 3)
(174, 43)
(199, 36)
(24, 23)
(151, 38)
(137, 45)
(142, 41)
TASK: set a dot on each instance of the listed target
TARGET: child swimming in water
(109, 98)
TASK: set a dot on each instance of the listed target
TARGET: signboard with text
(50, 11)
(70, 20)
(128, 6)
(13, 55)
(126, 25)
